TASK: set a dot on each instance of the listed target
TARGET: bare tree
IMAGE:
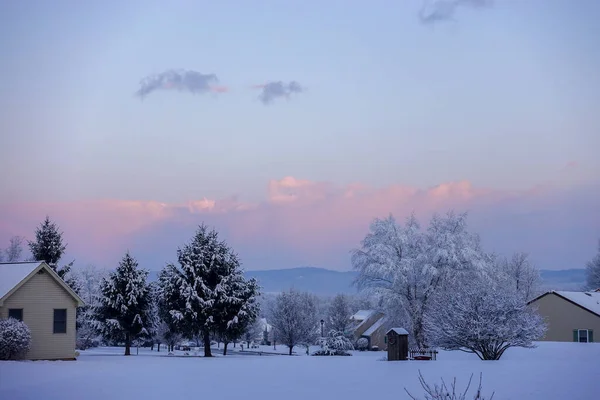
(443, 392)
(592, 271)
(339, 313)
(294, 317)
(15, 249)
(522, 273)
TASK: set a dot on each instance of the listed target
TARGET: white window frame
(587, 335)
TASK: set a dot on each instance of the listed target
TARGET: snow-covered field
(565, 371)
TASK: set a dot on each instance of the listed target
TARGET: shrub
(15, 339)
(362, 344)
(443, 392)
(336, 344)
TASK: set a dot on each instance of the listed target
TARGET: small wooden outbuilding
(397, 344)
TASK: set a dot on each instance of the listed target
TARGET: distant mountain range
(325, 282)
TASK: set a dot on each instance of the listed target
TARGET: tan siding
(563, 317)
(38, 298)
(378, 337)
(366, 325)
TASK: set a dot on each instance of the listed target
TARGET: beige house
(33, 293)
(372, 325)
(571, 316)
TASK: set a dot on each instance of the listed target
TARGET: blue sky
(503, 97)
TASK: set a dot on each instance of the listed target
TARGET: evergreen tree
(125, 309)
(196, 291)
(48, 246)
(236, 306)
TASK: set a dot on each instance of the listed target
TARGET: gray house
(571, 316)
(33, 293)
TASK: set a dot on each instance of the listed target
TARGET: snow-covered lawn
(565, 371)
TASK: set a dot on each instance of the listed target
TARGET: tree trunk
(158, 347)
(225, 348)
(207, 352)
(127, 344)
(291, 347)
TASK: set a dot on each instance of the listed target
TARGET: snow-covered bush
(336, 344)
(362, 344)
(15, 339)
(443, 392)
(485, 316)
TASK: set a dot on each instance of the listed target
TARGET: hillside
(324, 282)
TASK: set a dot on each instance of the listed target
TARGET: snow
(375, 326)
(12, 274)
(399, 331)
(553, 371)
(587, 300)
(362, 315)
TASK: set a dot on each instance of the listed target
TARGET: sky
(493, 111)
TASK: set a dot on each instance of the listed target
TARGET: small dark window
(16, 313)
(60, 320)
(583, 336)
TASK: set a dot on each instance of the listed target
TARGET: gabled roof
(361, 315)
(14, 275)
(375, 326)
(589, 301)
(399, 331)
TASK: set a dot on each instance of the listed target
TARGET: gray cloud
(434, 11)
(180, 79)
(273, 90)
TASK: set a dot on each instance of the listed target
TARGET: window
(60, 320)
(16, 313)
(583, 335)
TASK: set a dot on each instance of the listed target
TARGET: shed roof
(13, 275)
(399, 331)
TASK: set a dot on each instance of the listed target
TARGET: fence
(422, 354)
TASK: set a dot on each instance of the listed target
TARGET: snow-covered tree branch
(294, 317)
(124, 310)
(406, 267)
(483, 315)
(592, 271)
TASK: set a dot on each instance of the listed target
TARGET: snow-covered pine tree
(592, 271)
(195, 284)
(339, 313)
(48, 246)
(236, 305)
(124, 310)
(169, 298)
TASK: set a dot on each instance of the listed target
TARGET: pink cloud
(300, 221)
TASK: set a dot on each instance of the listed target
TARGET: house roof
(589, 301)
(375, 326)
(14, 275)
(399, 331)
(361, 315)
